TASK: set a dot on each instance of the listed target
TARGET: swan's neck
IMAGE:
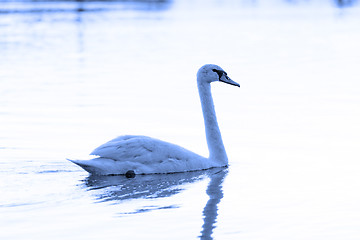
(213, 136)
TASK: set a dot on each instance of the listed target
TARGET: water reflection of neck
(215, 193)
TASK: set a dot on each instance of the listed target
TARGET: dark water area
(41, 6)
(52, 6)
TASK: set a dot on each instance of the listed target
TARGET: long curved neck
(213, 136)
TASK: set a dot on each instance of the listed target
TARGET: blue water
(74, 75)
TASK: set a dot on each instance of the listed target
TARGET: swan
(146, 155)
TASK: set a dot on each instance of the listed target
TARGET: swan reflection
(117, 189)
(210, 212)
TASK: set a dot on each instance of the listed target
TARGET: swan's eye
(220, 73)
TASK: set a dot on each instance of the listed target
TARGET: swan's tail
(90, 166)
(86, 165)
(98, 166)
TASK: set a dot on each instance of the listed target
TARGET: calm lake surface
(74, 74)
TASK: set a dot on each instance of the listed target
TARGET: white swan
(145, 155)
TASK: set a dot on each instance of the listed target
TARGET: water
(76, 74)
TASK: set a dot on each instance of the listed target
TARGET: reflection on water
(54, 6)
(116, 189)
(119, 188)
(345, 3)
(34, 6)
(214, 190)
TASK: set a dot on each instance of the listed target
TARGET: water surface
(74, 74)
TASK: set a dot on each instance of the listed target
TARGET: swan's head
(212, 73)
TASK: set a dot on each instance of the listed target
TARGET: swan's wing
(123, 148)
(140, 149)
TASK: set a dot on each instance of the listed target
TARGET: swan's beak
(224, 78)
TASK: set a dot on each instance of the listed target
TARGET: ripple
(148, 209)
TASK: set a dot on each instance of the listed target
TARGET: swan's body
(145, 155)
